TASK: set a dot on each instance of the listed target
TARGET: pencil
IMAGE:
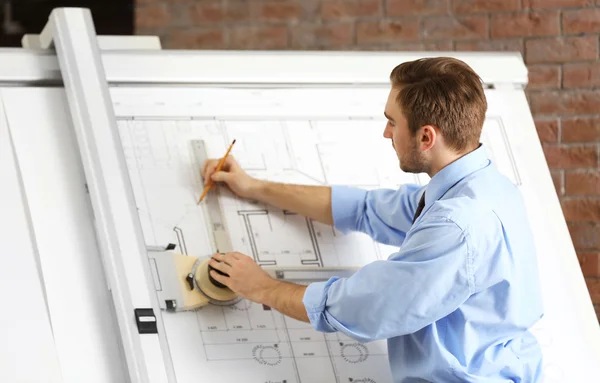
(209, 182)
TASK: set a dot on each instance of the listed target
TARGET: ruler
(211, 205)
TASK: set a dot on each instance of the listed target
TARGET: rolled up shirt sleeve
(383, 214)
(426, 280)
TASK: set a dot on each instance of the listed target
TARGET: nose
(387, 132)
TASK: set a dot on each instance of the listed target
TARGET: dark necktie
(420, 207)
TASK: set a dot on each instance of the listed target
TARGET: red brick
(571, 157)
(236, 11)
(209, 13)
(416, 7)
(318, 36)
(369, 32)
(514, 45)
(581, 129)
(581, 21)
(593, 285)
(561, 49)
(581, 209)
(279, 10)
(458, 28)
(585, 235)
(582, 182)
(206, 12)
(441, 46)
(258, 37)
(544, 77)
(565, 102)
(557, 179)
(340, 9)
(193, 39)
(556, 3)
(580, 75)
(475, 6)
(547, 129)
(444, 46)
(589, 262)
(152, 16)
(525, 24)
(406, 47)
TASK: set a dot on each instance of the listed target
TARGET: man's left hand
(245, 277)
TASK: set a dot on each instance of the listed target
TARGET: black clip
(146, 321)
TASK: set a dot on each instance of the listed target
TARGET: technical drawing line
(249, 320)
(362, 351)
(245, 215)
(318, 260)
(325, 182)
(333, 366)
(288, 145)
(201, 336)
(311, 177)
(293, 356)
(180, 240)
(137, 166)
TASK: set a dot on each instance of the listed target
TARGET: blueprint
(247, 341)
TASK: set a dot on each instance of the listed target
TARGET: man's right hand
(313, 201)
(238, 181)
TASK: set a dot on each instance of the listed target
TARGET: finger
(220, 176)
(224, 257)
(207, 164)
(204, 166)
(219, 257)
(221, 266)
(231, 164)
(220, 278)
(210, 167)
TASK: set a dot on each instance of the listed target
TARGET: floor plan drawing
(166, 183)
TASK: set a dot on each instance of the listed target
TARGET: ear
(428, 137)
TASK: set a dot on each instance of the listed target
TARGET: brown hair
(444, 92)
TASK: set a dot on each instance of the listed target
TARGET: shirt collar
(442, 181)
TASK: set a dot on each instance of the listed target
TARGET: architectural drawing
(166, 182)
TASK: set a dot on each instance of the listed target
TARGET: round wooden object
(222, 294)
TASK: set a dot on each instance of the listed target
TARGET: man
(457, 300)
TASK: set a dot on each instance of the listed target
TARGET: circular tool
(215, 292)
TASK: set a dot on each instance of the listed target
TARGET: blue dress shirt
(457, 300)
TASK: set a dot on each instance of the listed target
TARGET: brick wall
(558, 39)
(111, 17)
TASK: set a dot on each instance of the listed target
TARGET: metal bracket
(309, 274)
(129, 43)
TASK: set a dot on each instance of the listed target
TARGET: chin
(408, 169)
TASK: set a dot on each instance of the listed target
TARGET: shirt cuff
(315, 300)
(346, 202)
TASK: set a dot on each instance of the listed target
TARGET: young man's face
(404, 143)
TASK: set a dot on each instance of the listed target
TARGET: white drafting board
(24, 313)
(74, 328)
(318, 136)
(307, 135)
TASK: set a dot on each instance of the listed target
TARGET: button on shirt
(455, 303)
